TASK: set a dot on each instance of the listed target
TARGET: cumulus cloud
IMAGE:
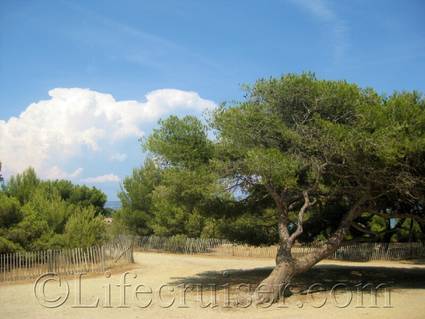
(108, 178)
(74, 122)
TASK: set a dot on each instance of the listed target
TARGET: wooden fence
(348, 251)
(219, 247)
(28, 265)
(179, 244)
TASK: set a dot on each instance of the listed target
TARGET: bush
(10, 212)
(84, 228)
(6, 246)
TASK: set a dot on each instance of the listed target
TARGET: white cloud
(56, 172)
(75, 122)
(108, 178)
(118, 157)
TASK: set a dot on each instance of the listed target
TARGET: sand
(404, 297)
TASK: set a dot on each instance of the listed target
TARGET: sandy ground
(405, 297)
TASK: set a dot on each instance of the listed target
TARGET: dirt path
(407, 293)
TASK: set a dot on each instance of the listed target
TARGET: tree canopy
(294, 141)
(37, 214)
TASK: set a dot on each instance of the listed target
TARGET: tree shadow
(326, 276)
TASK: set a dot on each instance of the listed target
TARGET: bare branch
(335, 240)
(299, 230)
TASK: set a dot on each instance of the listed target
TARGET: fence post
(49, 261)
(131, 251)
(3, 268)
(102, 257)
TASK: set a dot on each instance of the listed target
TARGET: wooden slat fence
(29, 265)
(178, 244)
(220, 247)
(348, 251)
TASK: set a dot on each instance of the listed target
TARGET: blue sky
(119, 66)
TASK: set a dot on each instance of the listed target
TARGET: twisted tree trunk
(270, 289)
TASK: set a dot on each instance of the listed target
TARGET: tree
(180, 143)
(50, 207)
(319, 150)
(175, 192)
(10, 211)
(28, 231)
(85, 196)
(7, 246)
(311, 144)
(85, 228)
(37, 214)
(136, 199)
(22, 185)
(189, 194)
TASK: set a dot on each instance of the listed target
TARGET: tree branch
(299, 230)
(335, 240)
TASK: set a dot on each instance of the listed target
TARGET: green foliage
(88, 197)
(131, 221)
(292, 134)
(80, 195)
(37, 214)
(170, 194)
(180, 142)
(332, 138)
(49, 207)
(10, 211)
(7, 246)
(22, 185)
(169, 217)
(84, 228)
(273, 166)
(252, 229)
(28, 231)
(136, 200)
(137, 188)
